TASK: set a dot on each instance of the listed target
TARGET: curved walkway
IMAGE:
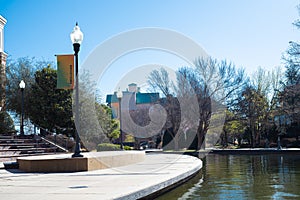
(155, 173)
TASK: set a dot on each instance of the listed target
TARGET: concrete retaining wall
(90, 161)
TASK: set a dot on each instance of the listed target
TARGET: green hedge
(127, 148)
(111, 147)
(6, 124)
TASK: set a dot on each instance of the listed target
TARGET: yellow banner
(65, 71)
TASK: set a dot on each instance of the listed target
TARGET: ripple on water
(243, 177)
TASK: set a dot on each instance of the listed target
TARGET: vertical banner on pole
(65, 71)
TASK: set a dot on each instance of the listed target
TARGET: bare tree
(216, 88)
(160, 80)
(200, 91)
(203, 100)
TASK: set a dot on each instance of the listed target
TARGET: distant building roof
(141, 98)
(110, 98)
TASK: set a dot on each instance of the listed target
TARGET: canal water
(243, 177)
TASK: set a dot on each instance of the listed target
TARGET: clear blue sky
(250, 33)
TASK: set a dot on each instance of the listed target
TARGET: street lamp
(119, 96)
(22, 87)
(76, 38)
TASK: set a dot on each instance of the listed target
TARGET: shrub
(7, 124)
(110, 147)
(127, 148)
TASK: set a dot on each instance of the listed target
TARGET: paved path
(156, 172)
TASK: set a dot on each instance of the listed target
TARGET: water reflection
(243, 177)
(191, 191)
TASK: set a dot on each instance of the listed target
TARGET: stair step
(5, 137)
(9, 154)
(11, 148)
(15, 140)
(33, 152)
(29, 149)
(24, 144)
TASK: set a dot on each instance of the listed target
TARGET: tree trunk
(199, 135)
(2, 80)
(225, 140)
(201, 132)
(176, 142)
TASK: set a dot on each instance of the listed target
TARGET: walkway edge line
(163, 187)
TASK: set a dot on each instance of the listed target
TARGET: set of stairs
(17, 146)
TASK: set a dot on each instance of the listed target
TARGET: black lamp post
(22, 87)
(76, 38)
(119, 96)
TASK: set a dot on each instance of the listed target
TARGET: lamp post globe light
(119, 96)
(22, 87)
(76, 38)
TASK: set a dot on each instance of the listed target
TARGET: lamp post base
(77, 151)
(77, 155)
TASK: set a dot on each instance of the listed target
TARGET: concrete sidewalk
(156, 172)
